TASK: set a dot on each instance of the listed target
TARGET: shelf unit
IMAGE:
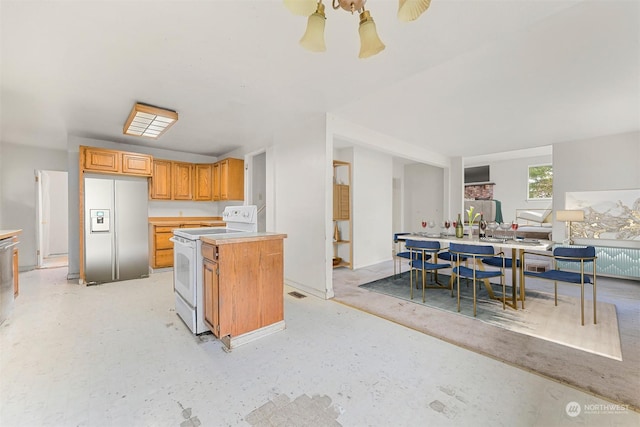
(342, 223)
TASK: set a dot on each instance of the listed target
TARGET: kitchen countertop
(213, 221)
(226, 239)
(9, 233)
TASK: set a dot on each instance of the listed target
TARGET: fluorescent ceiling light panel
(151, 122)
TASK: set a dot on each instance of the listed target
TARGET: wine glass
(505, 226)
(424, 225)
(447, 224)
(514, 227)
(493, 226)
(432, 225)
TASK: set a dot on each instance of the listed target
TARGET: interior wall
(372, 211)
(55, 213)
(511, 178)
(606, 163)
(397, 204)
(301, 187)
(19, 198)
(423, 196)
(259, 188)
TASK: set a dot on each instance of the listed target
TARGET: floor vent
(297, 294)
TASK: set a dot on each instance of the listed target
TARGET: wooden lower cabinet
(211, 294)
(16, 271)
(243, 286)
(162, 246)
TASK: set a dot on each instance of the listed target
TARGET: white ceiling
(467, 78)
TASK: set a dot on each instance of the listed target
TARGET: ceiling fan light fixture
(313, 38)
(410, 10)
(301, 7)
(149, 121)
(370, 43)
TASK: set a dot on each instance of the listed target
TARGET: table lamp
(569, 217)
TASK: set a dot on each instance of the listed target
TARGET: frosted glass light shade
(409, 10)
(370, 43)
(301, 7)
(149, 121)
(313, 38)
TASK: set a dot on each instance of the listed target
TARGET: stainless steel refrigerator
(116, 228)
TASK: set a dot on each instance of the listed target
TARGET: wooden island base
(243, 286)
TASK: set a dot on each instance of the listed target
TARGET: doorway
(257, 185)
(52, 222)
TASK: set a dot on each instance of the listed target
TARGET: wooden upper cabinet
(100, 160)
(215, 175)
(202, 182)
(114, 161)
(182, 179)
(230, 185)
(160, 183)
(136, 164)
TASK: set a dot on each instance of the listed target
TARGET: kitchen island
(243, 280)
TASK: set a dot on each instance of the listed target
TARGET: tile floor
(117, 355)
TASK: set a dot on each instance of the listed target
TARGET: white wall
(372, 195)
(55, 213)
(424, 195)
(398, 197)
(511, 178)
(301, 168)
(606, 163)
(19, 198)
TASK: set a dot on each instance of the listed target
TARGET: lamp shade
(313, 38)
(301, 7)
(409, 10)
(573, 216)
(370, 43)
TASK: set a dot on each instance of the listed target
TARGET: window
(540, 182)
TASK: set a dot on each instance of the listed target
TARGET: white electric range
(187, 262)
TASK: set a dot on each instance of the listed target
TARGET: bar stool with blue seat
(475, 254)
(422, 251)
(569, 255)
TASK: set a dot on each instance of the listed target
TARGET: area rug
(540, 319)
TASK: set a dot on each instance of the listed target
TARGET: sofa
(491, 209)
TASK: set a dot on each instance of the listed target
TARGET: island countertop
(225, 239)
(9, 233)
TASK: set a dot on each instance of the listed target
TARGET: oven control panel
(244, 214)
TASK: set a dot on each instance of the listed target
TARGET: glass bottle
(459, 228)
(482, 226)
